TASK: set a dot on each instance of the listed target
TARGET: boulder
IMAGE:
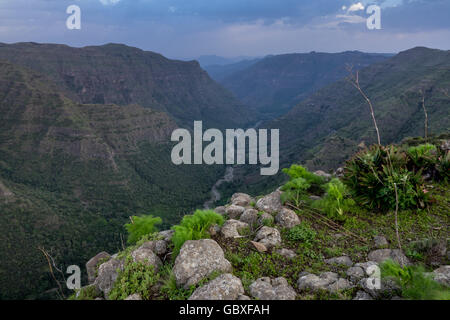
(276, 289)
(270, 237)
(224, 287)
(362, 295)
(442, 275)
(231, 228)
(147, 257)
(241, 199)
(220, 210)
(107, 275)
(244, 297)
(250, 216)
(286, 253)
(396, 255)
(265, 217)
(270, 203)
(166, 235)
(159, 247)
(355, 273)
(135, 296)
(234, 212)
(287, 218)
(197, 260)
(92, 264)
(380, 242)
(344, 260)
(329, 281)
(323, 174)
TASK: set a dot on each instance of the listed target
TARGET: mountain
(214, 60)
(275, 84)
(123, 75)
(326, 128)
(85, 144)
(219, 72)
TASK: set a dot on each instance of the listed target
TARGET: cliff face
(122, 75)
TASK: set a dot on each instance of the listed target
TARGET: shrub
(141, 226)
(414, 282)
(422, 157)
(301, 182)
(136, 277)
(194, 227)
(371, 174)
(337, 200)
(302, 232)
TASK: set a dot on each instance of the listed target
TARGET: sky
(229, 28)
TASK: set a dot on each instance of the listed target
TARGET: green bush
(422, 157)
(303, 233)
(300, 183)
(337, 200)
(372, 174)
(414, 282)
(141, 226)
(136, 277)
(194, 227)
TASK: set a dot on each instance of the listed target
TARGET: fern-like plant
(337, 200)
(141, 226)
(194, 227)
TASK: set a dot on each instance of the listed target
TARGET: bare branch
(49, 257)
(354, 80)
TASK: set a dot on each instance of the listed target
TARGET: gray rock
(265, 217)
(147, 257)
(380, 242)
(339, 173)
(92, 264)
(220, 210)
(231, 228)
(259, 246)
(107, 275)
(276, 289)
(396, 255)
(135, 296)
(159, 247)
(270, 203)
(344, 260)
(384, 288)
(224, 287)
(234, 212)
(197, 260)
(166, 235)
(362, 295)
(241, 199)
(442, 275)
(270, 237)
(286, 253)
(323, 174)
(314, 198)
(355, 273)
(328, 281)
(366, 267)
(287, 218)
(214, 230)
(249, 216)
(244, 297)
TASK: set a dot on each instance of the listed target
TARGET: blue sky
(190, 28)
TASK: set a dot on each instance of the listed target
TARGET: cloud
(109, 2)
(356, 7)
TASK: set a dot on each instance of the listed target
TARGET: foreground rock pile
(198, 259)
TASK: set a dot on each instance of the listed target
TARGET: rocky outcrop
(159, 247)
(234, 212)
(147, 257)
(93, 264)
(241, 199)
(287, 218)
(270, 203)
(382, 255)
(250, 216)
(224, 287)
(270, 237)
(272, 289)
(231, 228)
(107, 275)
(329, 281)
(344, 260)
(197, 260)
